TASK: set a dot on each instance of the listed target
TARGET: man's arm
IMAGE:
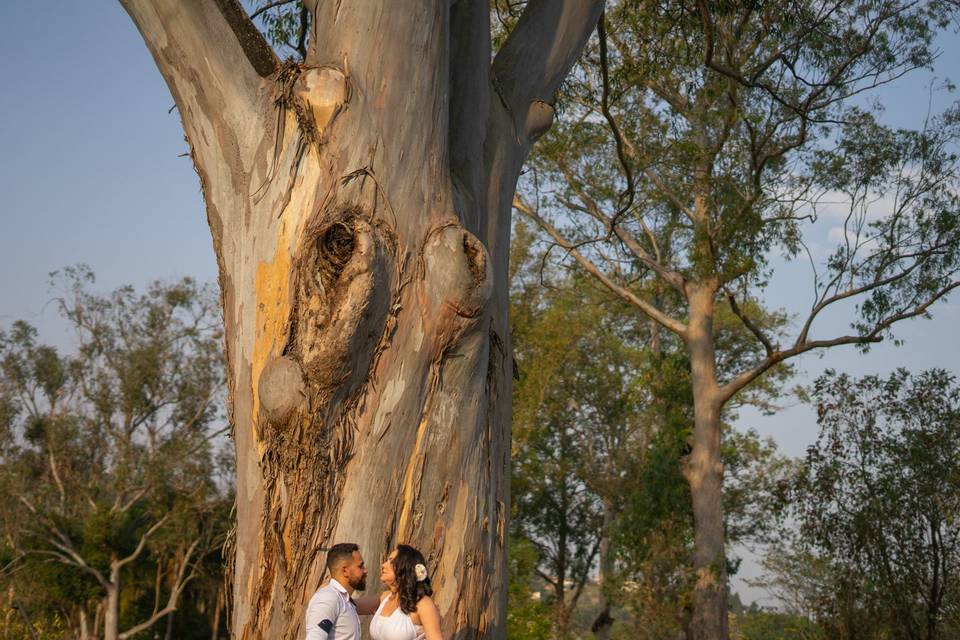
(322, 616)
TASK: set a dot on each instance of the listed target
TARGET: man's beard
(360, 584)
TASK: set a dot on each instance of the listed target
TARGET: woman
(406, 611)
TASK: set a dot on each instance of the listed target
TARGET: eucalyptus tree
(359, 203)
(700, 139)
(108, 457)
(602, 414)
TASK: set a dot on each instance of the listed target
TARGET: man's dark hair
(340, 553)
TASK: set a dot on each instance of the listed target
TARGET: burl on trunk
(359, 203)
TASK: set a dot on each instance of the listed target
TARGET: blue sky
(90, 167)
(92, 172)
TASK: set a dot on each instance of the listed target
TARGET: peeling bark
(360, 210)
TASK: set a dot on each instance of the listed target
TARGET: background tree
(559, 443)
(108, 458)
(757, 623)
(359, 203)
(699, 139)
(578, 430)
(601, 422)
(654, 536)
(836, 599)
(878, 497)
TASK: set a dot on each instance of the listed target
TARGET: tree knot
(539, 119)
(457, 270)
(315, 94)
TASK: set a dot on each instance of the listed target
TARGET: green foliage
(838, 597)
(697, 140)
(527, 617)
(877, 502)
(757, 624)
(14, 627)
(575, 425)
(602, 420)
(285, 23)
(112, 451)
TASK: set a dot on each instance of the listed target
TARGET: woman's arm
(367, 605)
(429, 618)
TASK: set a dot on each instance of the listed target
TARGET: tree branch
(849, 293)
(749, 324)
(221, 27)
(590, 207)
(268, 6)
(214, 61)
(874, 335)
(804, 106)
(120, 507)
(541, 50)
(179, 584)
(304, 19)
(627, 195)
(56, 478)
(646, 307)
(546, 578)
(469, 87)
(70, 561)
(527, 71)
(61, 542)
(255, 47)
(582, 579)
(143, 542)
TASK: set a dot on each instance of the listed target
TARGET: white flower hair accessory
(421, 572)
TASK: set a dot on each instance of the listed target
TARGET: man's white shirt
(332, 603)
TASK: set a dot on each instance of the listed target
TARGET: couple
(404, 612)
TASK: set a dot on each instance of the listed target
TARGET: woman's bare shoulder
(429, 618)
(427, 604)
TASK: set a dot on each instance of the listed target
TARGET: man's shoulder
(326, 593)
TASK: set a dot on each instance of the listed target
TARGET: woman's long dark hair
(409, 591)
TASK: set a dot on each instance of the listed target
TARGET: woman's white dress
(396, 626)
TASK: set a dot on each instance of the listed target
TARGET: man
(332, 613)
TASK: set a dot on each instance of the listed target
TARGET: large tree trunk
(703, 470)
(359, 205)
